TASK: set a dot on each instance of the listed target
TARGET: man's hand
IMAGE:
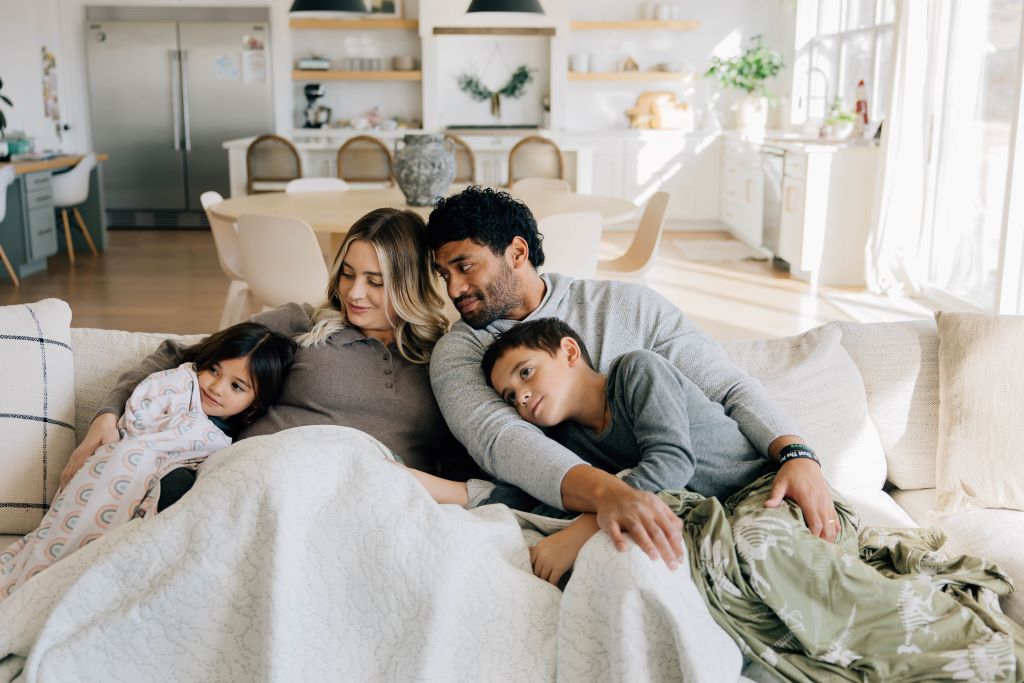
(102, 431)
(801, 481)
(621, 508)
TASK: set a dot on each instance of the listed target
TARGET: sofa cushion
(899, 366)
(979, 463)
(101, 357)
(37, 409)
(917, 503)
(814, 379)
(877, 508)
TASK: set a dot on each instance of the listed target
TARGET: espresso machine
(316, 115)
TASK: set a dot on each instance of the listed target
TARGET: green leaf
(4, 98)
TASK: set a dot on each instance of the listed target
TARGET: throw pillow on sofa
(815, 381)
(37, 409)
(981, 395)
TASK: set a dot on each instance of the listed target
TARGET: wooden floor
(170, 281)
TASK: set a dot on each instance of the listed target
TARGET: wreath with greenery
(515, 88)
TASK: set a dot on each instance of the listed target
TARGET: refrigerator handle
(175, 98)
(184, 94)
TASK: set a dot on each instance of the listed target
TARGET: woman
(362, 356)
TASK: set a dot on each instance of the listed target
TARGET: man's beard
(499, 297)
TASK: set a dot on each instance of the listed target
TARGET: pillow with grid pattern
(37, 409)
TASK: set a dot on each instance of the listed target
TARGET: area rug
(717, 251)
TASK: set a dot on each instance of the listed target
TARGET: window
(973, 225)
(838, 44)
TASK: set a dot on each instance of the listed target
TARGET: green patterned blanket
(886, 605)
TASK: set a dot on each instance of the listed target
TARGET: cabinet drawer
(37, 182)
(796, 165)
(40, 199)
(42, 233)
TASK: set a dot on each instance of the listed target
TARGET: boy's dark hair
(487, 217)
(270, 357)
(544, 334)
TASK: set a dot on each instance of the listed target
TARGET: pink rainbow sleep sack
(163, 428)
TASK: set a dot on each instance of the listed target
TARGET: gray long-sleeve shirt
(666, 431)
(350, 380)
(612, 318)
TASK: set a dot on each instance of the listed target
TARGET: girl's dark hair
(270, 357)
(487, 217)
(543, 334)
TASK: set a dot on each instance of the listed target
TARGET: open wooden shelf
(310, 75)
(637, 25)
(356, 24)
(646, 76)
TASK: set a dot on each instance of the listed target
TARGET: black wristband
(797, 450)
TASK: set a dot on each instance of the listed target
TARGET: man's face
(481, 284)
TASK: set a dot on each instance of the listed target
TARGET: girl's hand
(555, 555)
(102, 431)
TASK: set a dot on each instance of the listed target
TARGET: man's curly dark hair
(487, 217)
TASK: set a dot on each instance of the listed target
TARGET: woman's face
(361, 287)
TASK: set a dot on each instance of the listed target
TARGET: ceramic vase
(424, 167)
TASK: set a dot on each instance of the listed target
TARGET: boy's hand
(555, 555)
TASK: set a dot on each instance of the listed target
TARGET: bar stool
(6, 178)
(69, 190)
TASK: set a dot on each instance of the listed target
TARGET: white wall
(25, 28)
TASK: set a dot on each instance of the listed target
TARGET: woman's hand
(102, 431)
(555, 555)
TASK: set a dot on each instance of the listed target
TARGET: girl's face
(361, 287)
(226, 388)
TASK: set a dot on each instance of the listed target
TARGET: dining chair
(238, 304)
(7, 175)
(282, 260)
(571, 243)
(535, 157)
(301, 185)
(465, 160)
(541, 185)
(641, 252)
(366, 160)
(70, 189)
(270, 162)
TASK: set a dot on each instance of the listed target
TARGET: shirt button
(388, 385)
(388, 371)
(387, 356)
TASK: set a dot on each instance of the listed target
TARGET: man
(487, 250)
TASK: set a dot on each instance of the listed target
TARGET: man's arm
(745, 400)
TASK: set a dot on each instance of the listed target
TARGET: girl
(174, 418)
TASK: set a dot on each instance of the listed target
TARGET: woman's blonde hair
(400, 241)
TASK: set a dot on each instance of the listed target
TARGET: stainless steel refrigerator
(167, 87)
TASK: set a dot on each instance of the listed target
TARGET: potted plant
(3, 122)
(840, 122)
(748, 72)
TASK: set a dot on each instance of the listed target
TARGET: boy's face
(537, 384)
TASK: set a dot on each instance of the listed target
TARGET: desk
(335, 212)
(28, 232)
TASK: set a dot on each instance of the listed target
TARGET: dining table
(333, 213)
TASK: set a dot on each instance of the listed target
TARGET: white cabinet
(827, 195)
(742, 191)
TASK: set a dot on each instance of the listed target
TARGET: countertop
(54, 164)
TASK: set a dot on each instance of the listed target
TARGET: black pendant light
(532, 6)
(326, 6)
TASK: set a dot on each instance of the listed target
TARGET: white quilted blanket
(304, 556)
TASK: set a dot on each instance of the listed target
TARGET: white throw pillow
(981, 395)
(37, 409)
(814, 380)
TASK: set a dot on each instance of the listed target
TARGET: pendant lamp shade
(506, 6)
(327, 6)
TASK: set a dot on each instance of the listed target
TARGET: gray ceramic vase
(424, 167)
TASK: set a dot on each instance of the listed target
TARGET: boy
(644, 417)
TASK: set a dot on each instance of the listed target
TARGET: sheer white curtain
(893, 263)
